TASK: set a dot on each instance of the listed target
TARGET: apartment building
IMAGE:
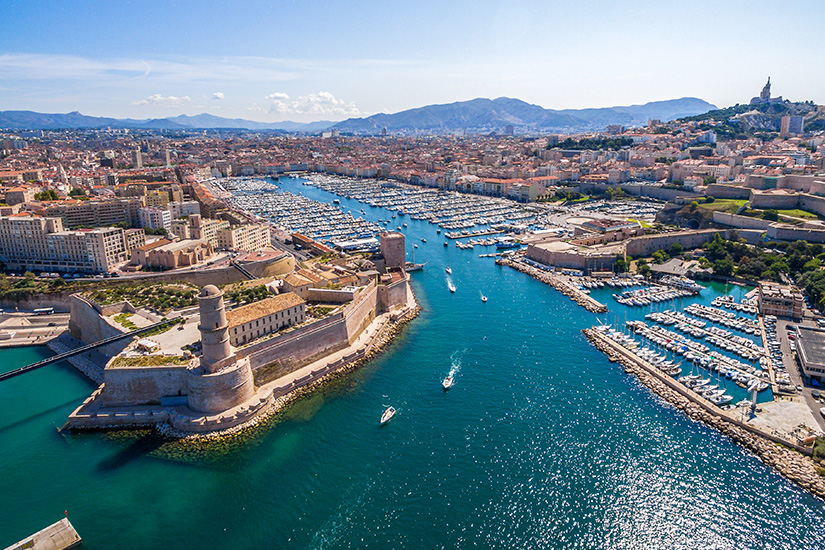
(244, 237)
(95, 213)
(154, 218)
(246, 323)
(183, 208)
(780, 300)
(206, 228)
(135, 238)
(34, 243)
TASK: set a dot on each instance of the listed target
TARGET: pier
(557, 281)
(57, 536)
(473, 234)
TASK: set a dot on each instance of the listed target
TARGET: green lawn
(724, 205)
(797, 213)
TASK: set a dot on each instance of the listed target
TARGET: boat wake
(451, 284)
(455, 362)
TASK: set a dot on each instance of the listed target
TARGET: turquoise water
(541, 443)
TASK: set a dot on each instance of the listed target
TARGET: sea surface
(541, 443)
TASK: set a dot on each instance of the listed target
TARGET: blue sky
(310, 60)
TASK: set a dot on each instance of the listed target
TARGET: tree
(693, 206)
(620, 266)
(771, 215)
(77, 192)
(676, 249)
(709, 199)
(723, 267)
(47, 195)
(660, 256)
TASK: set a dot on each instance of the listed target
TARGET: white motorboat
(483, 298)
(451, 286)
(447, 383)
(449, 271)
(387, 416)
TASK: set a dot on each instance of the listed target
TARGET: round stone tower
(214, 329)
(222, 381)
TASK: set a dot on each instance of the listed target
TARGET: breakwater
(780, 455)
(557, 281)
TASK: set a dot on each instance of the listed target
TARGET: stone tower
(214, 329)
(393, 249)
(222, 381)
(765, 96)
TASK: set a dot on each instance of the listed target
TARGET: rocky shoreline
(794, 466)
(555, 281)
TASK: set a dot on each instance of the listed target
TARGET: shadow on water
(137, 449)
(37, 415)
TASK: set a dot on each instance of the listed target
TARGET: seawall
(787, 458)
(557, 282)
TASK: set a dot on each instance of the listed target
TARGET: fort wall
(142, 385)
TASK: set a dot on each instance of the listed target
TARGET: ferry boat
(387, 416)
(447, 383)
(507, 242)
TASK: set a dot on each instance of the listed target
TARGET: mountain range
(488, 115)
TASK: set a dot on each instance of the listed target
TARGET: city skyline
(295, 61)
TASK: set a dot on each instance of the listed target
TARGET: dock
(57, 536)
(472, 235)
(787, 457)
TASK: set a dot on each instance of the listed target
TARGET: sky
(306, 60)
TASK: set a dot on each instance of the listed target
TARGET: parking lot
(787, 348)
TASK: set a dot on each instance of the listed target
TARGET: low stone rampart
(142, 385)
(744, 222)
(647, 245)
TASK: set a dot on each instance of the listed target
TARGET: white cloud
(320, 104)
(168, 101)
(277, 95)
(218, 95)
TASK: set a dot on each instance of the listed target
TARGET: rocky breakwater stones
(559, 284)
(792, 465)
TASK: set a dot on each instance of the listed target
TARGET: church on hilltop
(765, 96)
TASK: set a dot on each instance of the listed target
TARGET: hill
(30, 120)
(488, 115)
(495, 114)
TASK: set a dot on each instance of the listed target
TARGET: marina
(562, 420)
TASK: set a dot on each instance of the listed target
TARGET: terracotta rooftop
(262, 308)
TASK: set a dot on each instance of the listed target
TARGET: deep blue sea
(541, 443)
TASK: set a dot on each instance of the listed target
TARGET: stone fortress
(223, 386)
